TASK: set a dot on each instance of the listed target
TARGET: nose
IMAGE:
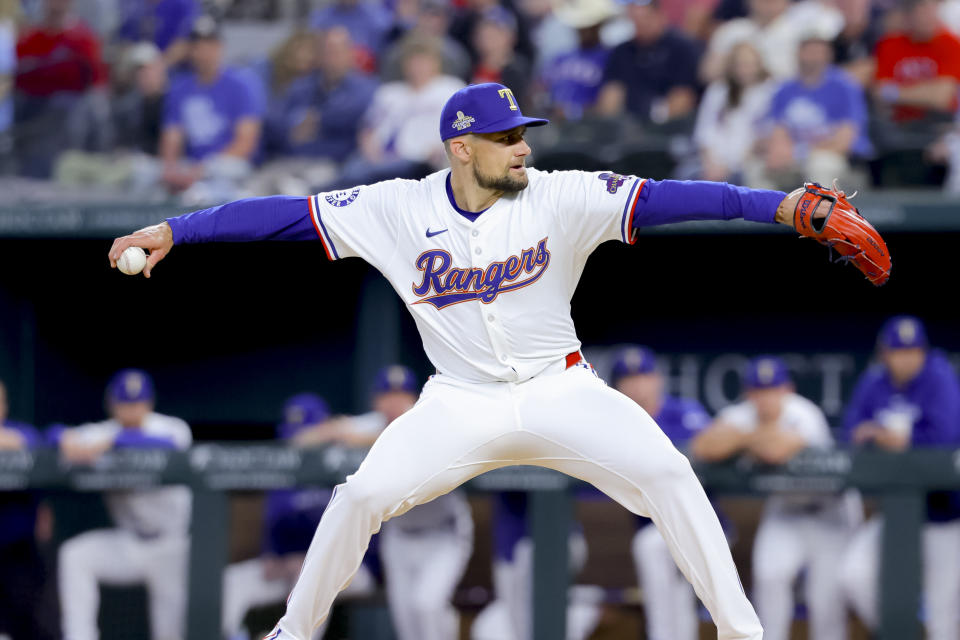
(523, 149)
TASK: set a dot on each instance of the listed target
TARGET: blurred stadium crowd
(814, 555)
(212, 100)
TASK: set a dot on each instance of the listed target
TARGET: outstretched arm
(270, 218)
(669, 201)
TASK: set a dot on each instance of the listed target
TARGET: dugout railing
(899, 481)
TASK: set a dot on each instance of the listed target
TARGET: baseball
(132, 261)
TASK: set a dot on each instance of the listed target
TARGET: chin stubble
(504, 183)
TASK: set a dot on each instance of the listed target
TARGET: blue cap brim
(503, 125)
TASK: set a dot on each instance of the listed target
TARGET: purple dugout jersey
(209, 114)
(930, 403)
(158, 21)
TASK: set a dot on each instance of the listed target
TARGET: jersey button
(478, 251)
(490, 318)
(475, 233)
(503, 358)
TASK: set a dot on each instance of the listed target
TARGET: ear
(461, 149)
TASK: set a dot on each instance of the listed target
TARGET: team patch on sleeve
(342, 198)
(613, 180)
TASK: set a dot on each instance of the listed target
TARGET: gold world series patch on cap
(463, 121)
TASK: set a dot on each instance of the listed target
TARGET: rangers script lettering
(477, 284)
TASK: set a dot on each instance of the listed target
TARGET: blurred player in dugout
(669, 601)
(797, 532)
(425, 551)
(25, 523)
(910, 398)
(290, 519)
(150, 543)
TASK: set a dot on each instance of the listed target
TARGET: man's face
(335, 51)
(646, 389)
(813, 56)
(648, 22)
(205, 54)
(904, 364)
(768, 401)
(499, 160)
(923, 20)
(130, 415)
(393, 404)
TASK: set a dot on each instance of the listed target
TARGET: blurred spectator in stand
(915, 92)
(653, 76)
(294, 58)
(368, 22)
(165, 23)
(729, 117)
(572, 80)
(9, 14)
(818, 121)
(140, 89)
(798, 532)
(312, 126)
(211, 117)
(290, 520)
(464, 27)
(909, 399)
(61, 97)
(150, 543)
(398, 137)
(139, 109)
(863, 26)
(774, 27)
(432, 20)
(25, 524)
(494, 37)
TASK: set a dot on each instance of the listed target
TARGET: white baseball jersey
(491, 298)
(149, 512)
(805, 418)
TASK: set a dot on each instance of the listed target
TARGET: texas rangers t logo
(613, 180)
(455, 285)
(508, 94)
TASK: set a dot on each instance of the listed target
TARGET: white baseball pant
(784, 546)
(513, 582)
(669, 602)
(245, 586)
(940, 554)
(563, 419)
(422, 570)
(120, 557)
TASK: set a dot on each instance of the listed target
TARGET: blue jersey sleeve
(669, 201)
(941, 408)
(269, 218)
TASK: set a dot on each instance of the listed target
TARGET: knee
(362, 498)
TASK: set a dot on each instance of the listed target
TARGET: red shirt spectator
(919, 70)
(59, 54)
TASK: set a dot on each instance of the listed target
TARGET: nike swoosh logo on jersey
(430, 234)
